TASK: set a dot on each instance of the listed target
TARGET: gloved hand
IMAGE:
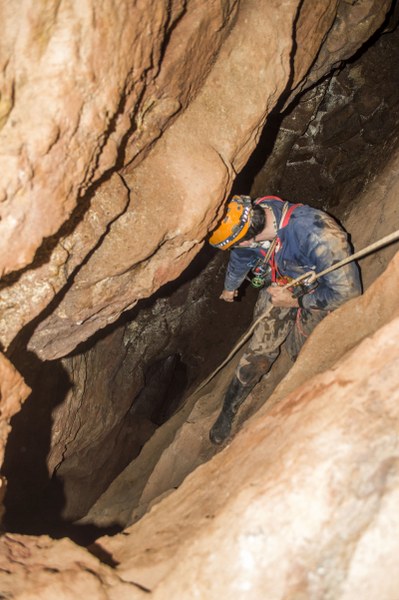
(303, 288)
(282, 297)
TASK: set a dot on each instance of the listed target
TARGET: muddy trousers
(279, 325)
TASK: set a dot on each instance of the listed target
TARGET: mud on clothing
(311, 240)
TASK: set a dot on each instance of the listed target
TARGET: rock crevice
(123, 132)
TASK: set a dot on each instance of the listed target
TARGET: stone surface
(301, 501)
(38, 567)
(71, 98)
(13, 392)
(308, 490)
(91, 413)
(25, 295)
(340, 134)
(190, 168)
(75, 440)
(353, 21)
(148, 85)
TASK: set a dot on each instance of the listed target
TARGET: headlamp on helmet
(234, 225)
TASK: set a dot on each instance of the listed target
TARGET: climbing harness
(266, 268)
(308, 278)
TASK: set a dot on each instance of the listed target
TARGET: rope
(311, 276)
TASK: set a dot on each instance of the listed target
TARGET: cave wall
(77, 80)
(94, 268)
(122, 241)
(89, 228)
(187, 321)
(326, 438)
(303, 501)
(182, 444)
(339, 134)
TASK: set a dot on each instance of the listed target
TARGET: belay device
(262, 274)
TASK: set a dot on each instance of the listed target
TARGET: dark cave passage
(145, 384)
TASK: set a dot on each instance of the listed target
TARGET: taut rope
(310, 276)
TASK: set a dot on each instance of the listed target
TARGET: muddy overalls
(307, 239)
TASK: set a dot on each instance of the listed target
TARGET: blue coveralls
(311, 240)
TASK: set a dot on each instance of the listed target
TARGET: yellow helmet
(235, 224)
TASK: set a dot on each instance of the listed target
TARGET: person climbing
(275, 242)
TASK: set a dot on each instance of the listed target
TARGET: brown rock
(38, 567)
(23, 297)
(71, 94)
(299, 503)
(13, 391)
(303, 503)
(191, 169)
(352, 25)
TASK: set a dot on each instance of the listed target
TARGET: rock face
(191, 168)
(133, 374)
(13, 391)
(300, 502)
(303, 501)
(72, 96)
(26, 563)
(122, 132)
(340, 135)
(143, 85)
(186, 435)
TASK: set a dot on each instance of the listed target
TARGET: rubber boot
(235, 396)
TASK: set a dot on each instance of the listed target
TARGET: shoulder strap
(283, 222)
(287, 214)
(263, 198)
(285, 217)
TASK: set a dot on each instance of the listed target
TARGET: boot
(235, 396)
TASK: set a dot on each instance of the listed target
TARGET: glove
(303, 288)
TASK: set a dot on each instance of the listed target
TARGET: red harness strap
(259, 200)
(276, 277)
